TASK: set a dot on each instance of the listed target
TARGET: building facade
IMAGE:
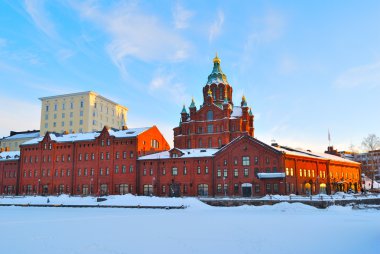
(94, 163)
(215, 154)
(80, 112)
(9, 168)
(370, 163)
(15, 139)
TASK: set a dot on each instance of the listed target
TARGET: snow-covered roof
(187, 153)
(236, 112)
(270, 175)
(23, 136)
(75, 137)
(300, 152)
(10, 155)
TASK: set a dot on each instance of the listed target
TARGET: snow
(281, 228)
(187, 153)
(74, 137)
(270, 175)
(23, 135)
(9, 155)
(236, 112)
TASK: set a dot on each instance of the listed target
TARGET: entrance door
(174, 190)
(246, 189)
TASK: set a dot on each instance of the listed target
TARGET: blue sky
(304, 66)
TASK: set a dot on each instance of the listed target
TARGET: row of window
(80, 157)
(10, 174)
(63, 106)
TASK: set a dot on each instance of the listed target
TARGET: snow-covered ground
(281, 228)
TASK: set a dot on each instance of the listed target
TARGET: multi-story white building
(80, 112)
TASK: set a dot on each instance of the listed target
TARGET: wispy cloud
(134, 34)
(287, 65)
(36, 10)
(165, 85)
(360, 76)
(181, 16)
(216, 27)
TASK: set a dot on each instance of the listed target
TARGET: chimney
(124, 127)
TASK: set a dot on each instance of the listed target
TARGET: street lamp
(91, 185)
(224, 186)
(38, 190)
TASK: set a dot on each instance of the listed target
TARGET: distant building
(80, 112)
(370, 163)
(9, 163)
(15, 139)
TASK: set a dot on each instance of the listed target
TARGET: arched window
(221, 94)
(202, 189)
(210, 115)
(214, 93)
(200, 143)
(219, 142)
(209, 142)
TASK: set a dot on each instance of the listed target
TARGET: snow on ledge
(270, 175)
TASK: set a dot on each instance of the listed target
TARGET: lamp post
(91, 180)
(363, 181)
(38, 190)
(224, 186)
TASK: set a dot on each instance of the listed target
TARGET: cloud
(134, 34)
(181, 16)
(287, 65)
(64, 54)
(360, 76)
(36, 10)
(164, 85)
(216, 27)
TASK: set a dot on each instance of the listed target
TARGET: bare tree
(370, 144)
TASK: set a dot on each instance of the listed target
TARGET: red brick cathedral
(215, 154)
(217, 122)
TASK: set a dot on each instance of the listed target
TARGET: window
(219, 173)
(300, 172)
(163, 171)
(198, 170)
(123, 169)
(245, 160)
(151, 171)
(275, 187)
(202, 189)
(257, 188)
(85, 172)
(80, 122)
(206, 170)
(236, 188)
(107, 171)
(287, 171)
(184, 171)
(246, 172)
(174, 171)
(291, 171)
(163, 188)
(92, 172)
(225, 188)
(55, 107)
(210, 115)
(219, 188)
(79, 172)
(210, 128)
(47, 108)
(144, 172)
(236, 173)
(308, 173)
(63, 115)
(124, 155)
(116, 169)
(101, 172)
(131, 169)
(81, 104)
(101, 155)
(107, 155)
(268, 188)
(92, 156)
(108, 142)
(123, 189)
(225, 173)
(131, 154)
(148, 189)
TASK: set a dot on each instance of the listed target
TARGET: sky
(305, 67)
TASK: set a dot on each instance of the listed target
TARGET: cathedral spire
(192, 105)
(243, 101)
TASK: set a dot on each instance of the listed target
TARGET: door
(246, 189)
(174, 190)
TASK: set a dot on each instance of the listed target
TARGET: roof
(10, 155)
(22, 136)
(236, 112)
(187, 153)
(75, 137)
(300, 152)
(81, 93)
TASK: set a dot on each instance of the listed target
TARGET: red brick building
(9, 165)
(86, 163)
(216, 154)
